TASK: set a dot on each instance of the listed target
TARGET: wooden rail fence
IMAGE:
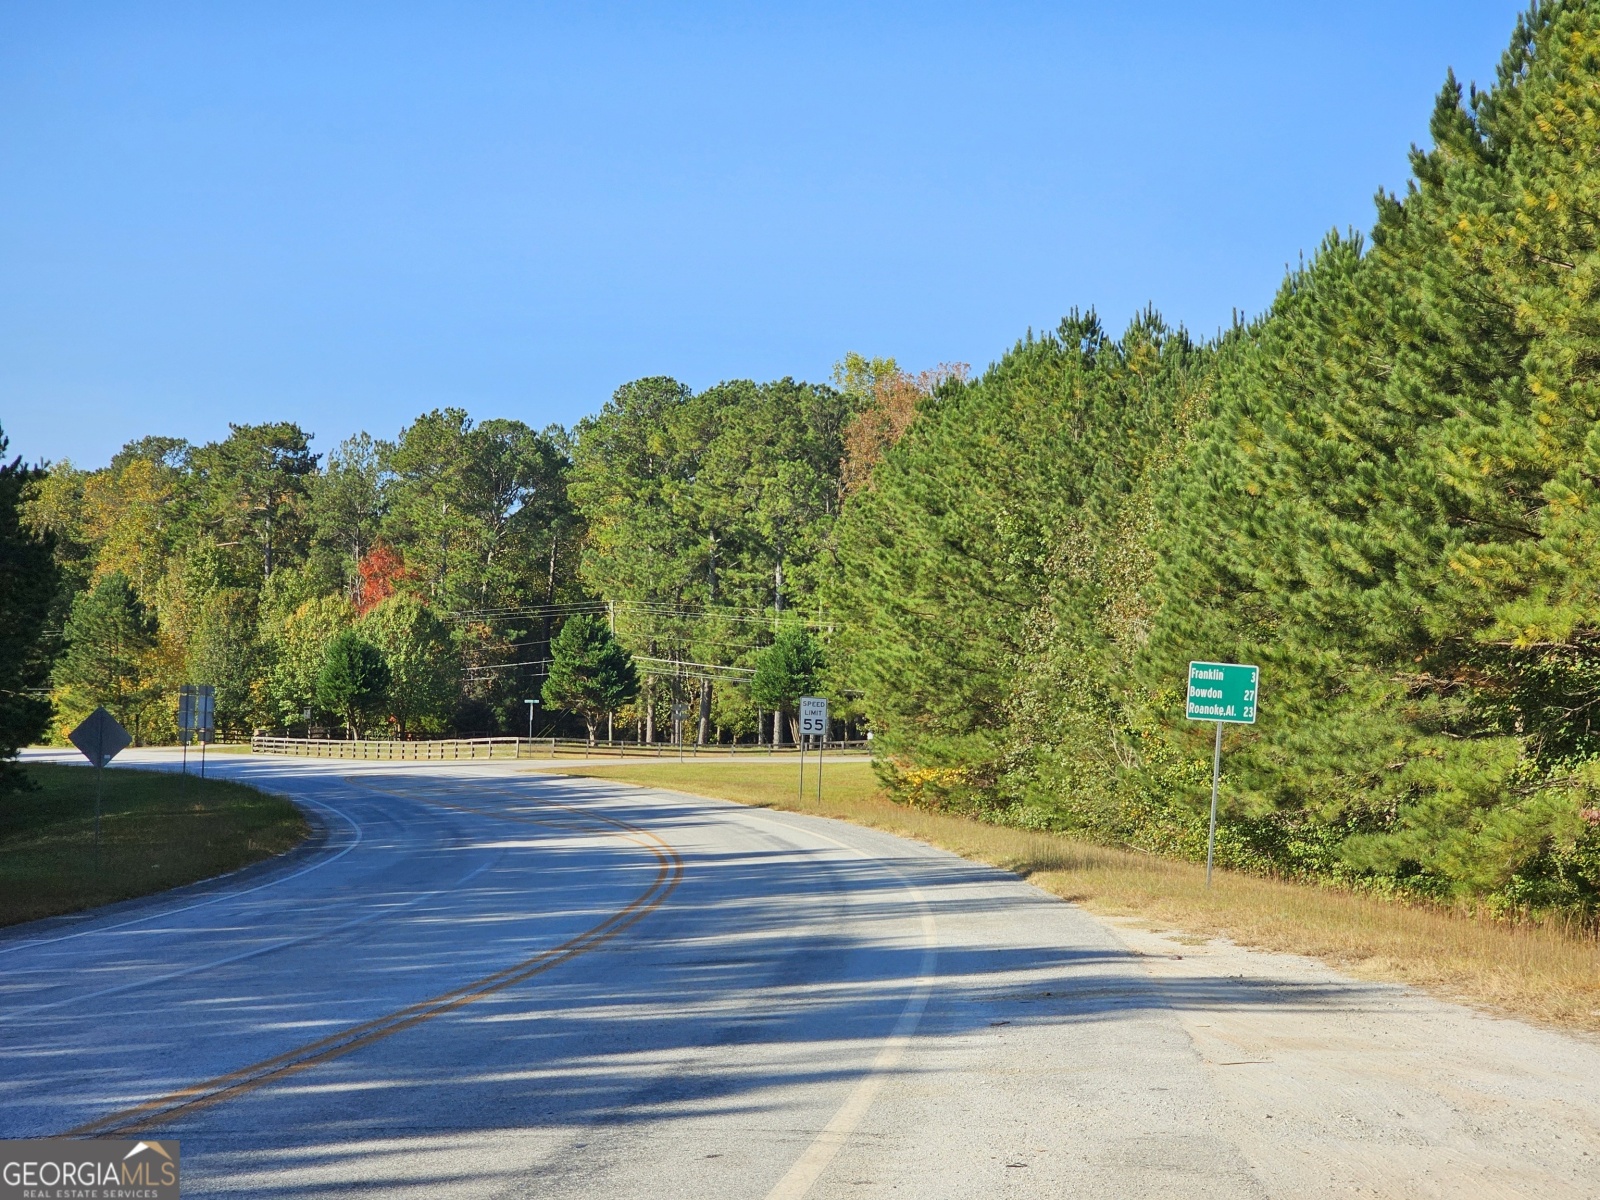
(465, 749)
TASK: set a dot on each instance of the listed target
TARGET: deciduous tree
(424, 667)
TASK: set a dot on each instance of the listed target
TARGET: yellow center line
(185, 1101)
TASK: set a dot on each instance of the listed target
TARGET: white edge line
(254, 951)
(825, 1147)
(218, 899)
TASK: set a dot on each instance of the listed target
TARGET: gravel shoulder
(1333, 1086)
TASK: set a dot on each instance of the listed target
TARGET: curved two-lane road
(486, 981)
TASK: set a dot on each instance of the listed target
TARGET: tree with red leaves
(379, 575)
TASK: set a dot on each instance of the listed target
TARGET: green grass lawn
(846, 785)
(157, 831)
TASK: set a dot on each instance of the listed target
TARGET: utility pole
(778, 612)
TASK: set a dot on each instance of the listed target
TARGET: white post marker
(813, 721)
(1224, 693)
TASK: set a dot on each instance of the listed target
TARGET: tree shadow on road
(769, 969)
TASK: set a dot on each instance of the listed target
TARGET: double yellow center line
(186, 1101)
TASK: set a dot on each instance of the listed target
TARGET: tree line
(1385, 490)
(242, 562)
(434, 583)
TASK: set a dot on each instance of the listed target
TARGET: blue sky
(346, 214)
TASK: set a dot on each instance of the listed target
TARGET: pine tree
(590, 673)
(28, 582)
(993, 572)
(785, 671)
(354, 680)
(1393, 507)
(110, 637)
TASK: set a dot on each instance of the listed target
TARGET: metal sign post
(813, 722)
(185, 720)
(101, 738)
(1225, 693)
(205, 714)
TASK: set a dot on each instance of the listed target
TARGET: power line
(530, 662)
(727, 612)
(692, 667)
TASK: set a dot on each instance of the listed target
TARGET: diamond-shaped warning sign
(101, 737)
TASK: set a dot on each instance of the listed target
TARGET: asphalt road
(490, 982)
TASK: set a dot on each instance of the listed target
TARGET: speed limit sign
(813, 716)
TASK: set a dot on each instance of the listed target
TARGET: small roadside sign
(197, 712)
(680, 714)
(1222, 692)
(100, 737)
(206, 710)
(813, 716)
(813, 723)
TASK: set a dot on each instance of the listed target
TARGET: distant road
(483, 981)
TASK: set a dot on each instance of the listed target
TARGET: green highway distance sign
(1222, 692)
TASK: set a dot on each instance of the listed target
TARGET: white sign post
(813, 723)
(185, 720)
(206, 703)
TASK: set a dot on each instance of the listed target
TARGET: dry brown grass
(1544, 972)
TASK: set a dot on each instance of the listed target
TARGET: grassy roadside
(157, 831)
(1541, 972)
